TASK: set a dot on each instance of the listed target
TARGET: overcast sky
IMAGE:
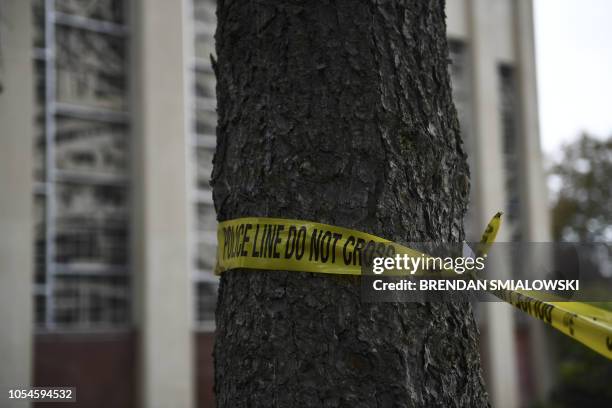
(574, 57)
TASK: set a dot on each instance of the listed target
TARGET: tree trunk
(341, 113)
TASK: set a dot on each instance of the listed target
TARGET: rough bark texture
(339, 112)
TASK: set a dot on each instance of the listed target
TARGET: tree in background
(582, 212)
(339, 112)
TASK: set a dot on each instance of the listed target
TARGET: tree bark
(339, 112)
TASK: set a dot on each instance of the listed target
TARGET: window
(203, 136)
(461, 81)
(508, 107)
(81, 165)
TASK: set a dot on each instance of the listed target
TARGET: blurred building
(112, 188)
(493, 72)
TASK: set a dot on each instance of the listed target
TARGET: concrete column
(16, 198)
(160, 205)
(537, 218)
(488, 182)
(536, 221)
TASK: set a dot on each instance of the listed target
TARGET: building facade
(493, 72)
(106, 168)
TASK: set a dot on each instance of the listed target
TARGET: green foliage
(583, 376)
(582, 213)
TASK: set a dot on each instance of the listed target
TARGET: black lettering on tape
(245, 239)
(300, 245)
(277, 240)
(336, 237)
(346, 254)
(290, 244)
(254, 253)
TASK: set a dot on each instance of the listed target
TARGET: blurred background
(107, 226)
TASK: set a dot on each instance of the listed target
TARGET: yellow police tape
(304, 246)
(587, 324)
